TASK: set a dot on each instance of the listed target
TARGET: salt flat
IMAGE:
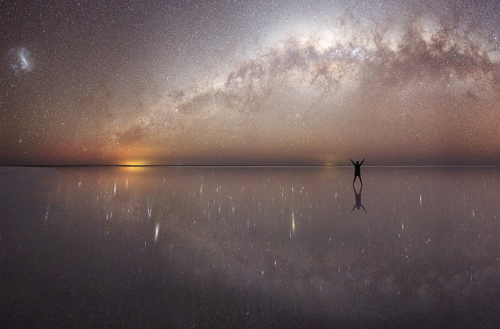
(249, 247)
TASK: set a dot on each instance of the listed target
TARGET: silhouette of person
(357, 171)
(358, 198)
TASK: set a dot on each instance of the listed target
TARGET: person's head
(357, 162)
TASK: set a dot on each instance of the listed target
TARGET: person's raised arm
(362, 161)
(352, 161)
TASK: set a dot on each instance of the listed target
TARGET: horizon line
(262, 166)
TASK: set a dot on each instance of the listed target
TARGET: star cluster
(258, 83)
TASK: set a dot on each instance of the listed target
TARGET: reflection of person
(358, 198)
(357, 170)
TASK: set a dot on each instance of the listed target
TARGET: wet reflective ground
(249, 247)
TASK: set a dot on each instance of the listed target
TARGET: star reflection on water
(180, 246)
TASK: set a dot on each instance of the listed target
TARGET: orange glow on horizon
(137, 163)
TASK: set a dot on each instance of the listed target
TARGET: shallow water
(249, 247)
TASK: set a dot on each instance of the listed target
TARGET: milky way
(313, 83)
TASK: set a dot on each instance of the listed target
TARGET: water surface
(249, 247)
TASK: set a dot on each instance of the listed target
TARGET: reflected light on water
(221, 238)
(157, 230)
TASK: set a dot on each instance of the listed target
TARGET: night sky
(250, 82)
